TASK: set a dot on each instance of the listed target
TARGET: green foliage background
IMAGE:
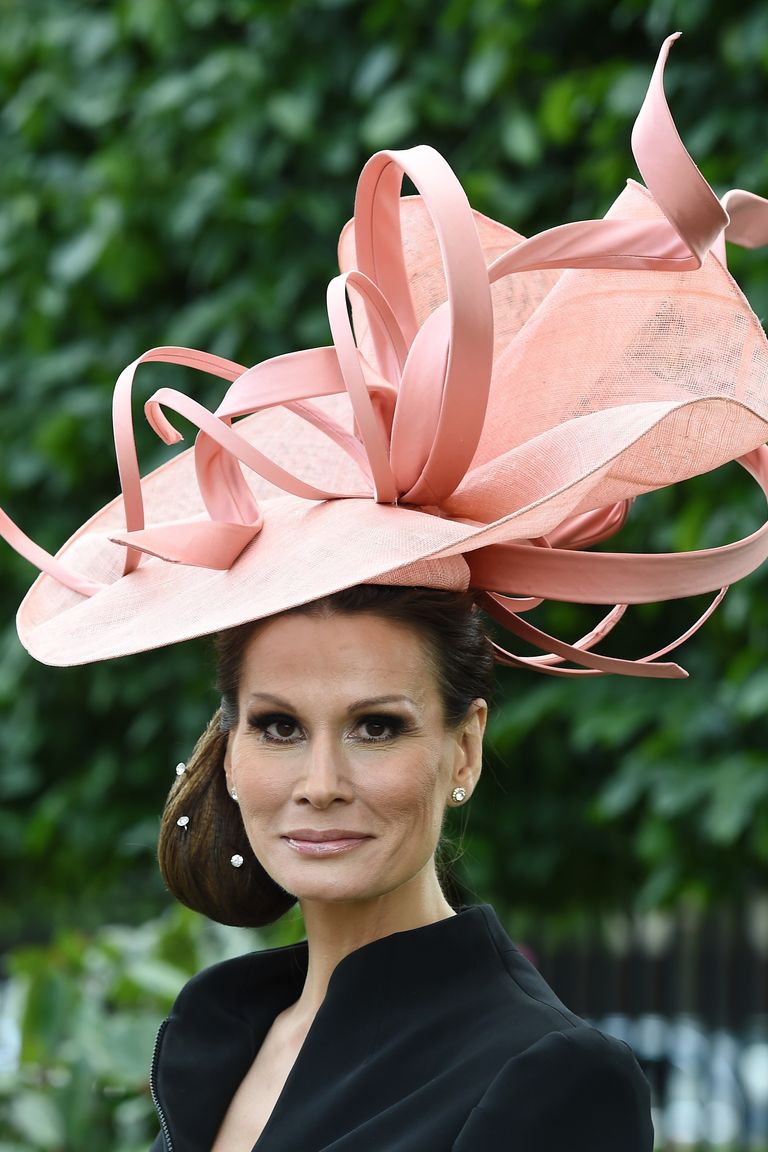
(177, 171)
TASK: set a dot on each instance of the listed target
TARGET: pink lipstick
(330, 842)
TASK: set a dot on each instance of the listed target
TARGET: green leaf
(38, 1119)
(520, 138)
(484, 71)
(390, 119)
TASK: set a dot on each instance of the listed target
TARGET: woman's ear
(228, 764)
(468, 761)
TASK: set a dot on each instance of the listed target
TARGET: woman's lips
(310, 843)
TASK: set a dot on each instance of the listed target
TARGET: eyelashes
(274, 727)
(379, 728)
(280, 728)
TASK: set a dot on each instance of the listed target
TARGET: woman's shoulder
(214, 980)
(511, 988)
(235, 980)
(576, 1080)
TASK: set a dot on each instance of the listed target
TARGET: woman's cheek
(414, 793)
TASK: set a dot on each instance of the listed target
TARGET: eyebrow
(368, 702)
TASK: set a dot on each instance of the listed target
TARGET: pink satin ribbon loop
(458, 355)
(44, 561)
(588, 528)
(201, 543)
(581, 656)
(123, 430)
(589, 664)
(289, 381)
(675, 182)
(748, 218)
(237, 446)
(368, 420)
(695, 218)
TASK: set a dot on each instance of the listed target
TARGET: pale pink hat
(491, 412)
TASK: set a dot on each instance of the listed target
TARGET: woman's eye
(375, 728)
(282, 729)
(275, 728)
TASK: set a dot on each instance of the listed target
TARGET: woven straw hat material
(657, 335)
(169, 599)
(491, 409)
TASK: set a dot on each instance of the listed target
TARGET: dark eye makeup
(379, 727)
(371, 728)
(275, 727)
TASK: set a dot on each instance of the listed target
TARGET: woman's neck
(336, 930)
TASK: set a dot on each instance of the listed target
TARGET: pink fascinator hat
(488, 409)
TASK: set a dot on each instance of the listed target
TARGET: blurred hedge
(176, 171)
(79, 1016)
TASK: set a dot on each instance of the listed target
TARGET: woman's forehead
(361, 653)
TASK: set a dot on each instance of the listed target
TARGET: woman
(346, 729)
(491, 408)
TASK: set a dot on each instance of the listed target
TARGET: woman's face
(341, 758)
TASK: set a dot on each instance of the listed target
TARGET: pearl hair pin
(183, 822)
(180, 769)
(236, 861)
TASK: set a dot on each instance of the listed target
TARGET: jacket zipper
(153, 1089)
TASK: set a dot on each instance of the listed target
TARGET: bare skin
(341, 735)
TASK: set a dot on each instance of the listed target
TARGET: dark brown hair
(195, 857)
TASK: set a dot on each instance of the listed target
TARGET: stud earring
(233, 794)
(236, 861)
(459, 795)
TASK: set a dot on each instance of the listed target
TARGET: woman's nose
(324, 778)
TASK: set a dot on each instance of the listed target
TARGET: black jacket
(441, 1039)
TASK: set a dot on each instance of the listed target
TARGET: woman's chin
(348, 886)
(328, 891)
